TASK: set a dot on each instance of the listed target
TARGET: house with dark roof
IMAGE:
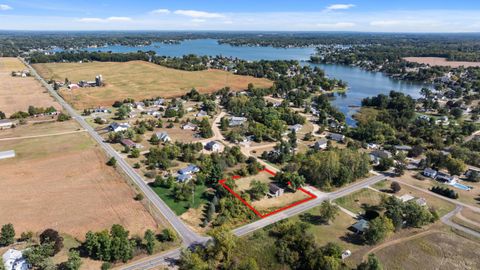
(336, 137)
(275, 191)
(213, 146)
(361, 226)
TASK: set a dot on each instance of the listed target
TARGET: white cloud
(160, 11)
(198, 14)
(198, 20)
(336, 25)
(340, 6)
(106, 20)
(5, 7)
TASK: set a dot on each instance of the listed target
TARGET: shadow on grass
(353, 238)
(312, 219)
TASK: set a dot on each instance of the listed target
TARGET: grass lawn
(180, 207)
(442, 250)
(355, 201)
(139, 80)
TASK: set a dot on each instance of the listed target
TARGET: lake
(361, 83)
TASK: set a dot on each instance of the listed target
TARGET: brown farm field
(62, 182)
(440, 61)
(139, 80)
(17, 93)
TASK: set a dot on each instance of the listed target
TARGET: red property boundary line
(311, 196)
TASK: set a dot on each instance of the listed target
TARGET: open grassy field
(17, 93)
(440, 61)
(433, 251)
(62, 182)
(139, 80)
(357, 200)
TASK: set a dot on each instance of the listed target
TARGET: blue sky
(293, 15)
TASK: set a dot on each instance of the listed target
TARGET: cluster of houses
(82, 84)
(439, 176)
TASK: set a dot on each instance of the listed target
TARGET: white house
(296, 128)
(275, 191)
(13, 260)
(202, 113)
(428, 172)
(236, 121)
(163, 136)
(320, 144)
(213, 146)
(116, 127)
(337, 137)
(189, 126)
(7, 123)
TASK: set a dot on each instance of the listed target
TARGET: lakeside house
(13, 260)
(275, 191)
(163, 136)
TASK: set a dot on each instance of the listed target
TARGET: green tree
(371, 264)
(378, 229)
(248, 264)
(224, 243)
(205, 128)
(112, 162)
(7, 235)
(74, 261)
(52, 236)
(135, 153)
(168, 235)
(191, 261)
(150, 241)
(258, 190)
(328, 211)
(455, 166)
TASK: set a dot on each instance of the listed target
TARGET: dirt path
(398, 241)
(43, 135)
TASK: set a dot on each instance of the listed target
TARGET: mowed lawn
(139, 80)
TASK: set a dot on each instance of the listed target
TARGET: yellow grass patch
(139, 80)
(17, 93)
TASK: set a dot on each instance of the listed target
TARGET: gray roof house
(336, 137)
(163, 136)
(275, 191)
(13, 260)
(7, 123)
(190, 169)
(213, 146)
(429, 172)
(381, 154)
(236, 121)
(361, 226)
(320, 144)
